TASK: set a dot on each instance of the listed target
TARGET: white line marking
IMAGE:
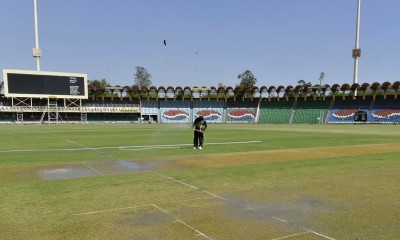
(146, 148)
(212, 194)
(85, 164)
(205, 204)
(248, 208)
(193, 206)
(92, 168)
(110, 210)
(308, 230)
(75, 143)
(184, 144)
(190, 199)
(296, 234)
(170, 178)
(96, 150)
(194, 229)
(279, 219)
(178, 220)
(319, 234)
(188, 185)
(118, 147)
(146, 205)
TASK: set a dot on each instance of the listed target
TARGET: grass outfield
(250, 182)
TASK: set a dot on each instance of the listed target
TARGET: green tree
(97, 87)
(247, 79)
(142, 77)
(305, 87)
(247, 82)
(303, 83)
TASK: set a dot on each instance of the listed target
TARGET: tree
(303, 83)
(247, 82)
(97, 87)
(303, 91)
(142, 77)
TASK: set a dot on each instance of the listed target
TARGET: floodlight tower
(321, 77)
(357, 50)
(37, 52)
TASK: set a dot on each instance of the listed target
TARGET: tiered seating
(213, 111)
(343, 110)
(112, 118)
(275, 111)
(241, 112)
(270, 111)
(175, 111)
(240, 104)
(386, 111)
(5, 101)
(311, 111)
(149, 107)
(6, 118)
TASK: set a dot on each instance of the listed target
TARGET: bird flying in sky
(165, 42)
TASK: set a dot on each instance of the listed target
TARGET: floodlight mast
(321, 77)
(37, 52)
(357, 50)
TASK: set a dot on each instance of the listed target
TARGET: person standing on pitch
(199, 125)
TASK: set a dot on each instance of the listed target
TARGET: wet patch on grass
(81, 170)
(295, 213)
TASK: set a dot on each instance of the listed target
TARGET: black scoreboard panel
(45, 84)
(21, 83)
(360, 116)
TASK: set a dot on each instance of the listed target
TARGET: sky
(209, 42)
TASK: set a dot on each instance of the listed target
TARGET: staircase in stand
(51, 112)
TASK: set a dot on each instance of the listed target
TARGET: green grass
(341, 181)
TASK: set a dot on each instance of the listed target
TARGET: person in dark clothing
(199, 125)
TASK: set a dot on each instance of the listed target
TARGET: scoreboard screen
(360, 116)
(23, 83)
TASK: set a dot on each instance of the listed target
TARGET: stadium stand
(241, 111)
(310, 111)
(106, 118)
(7, 117)
(386, 111)
(380, 108)
(273, 111)
(149, 111)
(5, 101)
(175, 112)
(149, 107)
(343, 110)
(213, 111)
